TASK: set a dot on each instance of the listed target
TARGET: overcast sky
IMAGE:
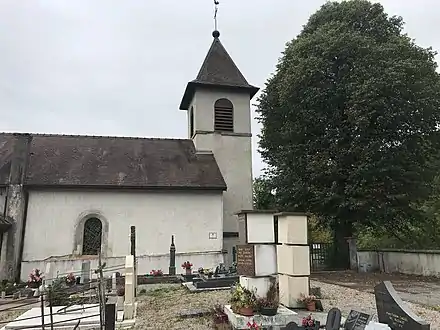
(119, 67)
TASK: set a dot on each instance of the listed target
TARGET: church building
(64, 198)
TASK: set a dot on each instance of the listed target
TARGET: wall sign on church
(245, 260)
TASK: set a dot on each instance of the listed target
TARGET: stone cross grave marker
(357, 320)
(392, 310)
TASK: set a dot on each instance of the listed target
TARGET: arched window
(92, 236)
(191, 122)
(223, 116)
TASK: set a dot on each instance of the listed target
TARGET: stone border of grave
(143, 279)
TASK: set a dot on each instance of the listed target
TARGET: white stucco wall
(233, 151)
(190, 216)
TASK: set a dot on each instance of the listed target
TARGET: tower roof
(219, 71)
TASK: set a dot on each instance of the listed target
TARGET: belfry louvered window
(223, 116)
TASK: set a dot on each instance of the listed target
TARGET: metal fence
(93, 295)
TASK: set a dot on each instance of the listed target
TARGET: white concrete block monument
(129, 303)
(293, 257)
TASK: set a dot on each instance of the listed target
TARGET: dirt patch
(417, 289)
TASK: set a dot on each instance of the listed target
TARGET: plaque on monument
(357, 321)
(245, 260)
(392, 310)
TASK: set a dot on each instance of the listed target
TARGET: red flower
(187, 265)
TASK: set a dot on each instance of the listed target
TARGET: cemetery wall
(414, 262)
(196, 220)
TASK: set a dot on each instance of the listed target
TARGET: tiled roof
(218, 70)
(102, 161)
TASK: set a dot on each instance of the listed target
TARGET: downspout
(23, 232)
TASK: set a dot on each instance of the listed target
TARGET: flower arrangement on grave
(209, 272)
(219, 318)
(243, 301)
(70, 279)
(308, 301)
(269, 305)
(157, 272)
(309, 323)
(187, 266)
(200, 270)
(253, 325)
(35, 279)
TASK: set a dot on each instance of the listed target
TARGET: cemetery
(270, 286)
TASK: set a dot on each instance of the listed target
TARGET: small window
(223, 116)
(191, 122)
(92, 236)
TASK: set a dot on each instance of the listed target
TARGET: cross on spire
(216, 3)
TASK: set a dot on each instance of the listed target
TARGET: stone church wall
(55, 220)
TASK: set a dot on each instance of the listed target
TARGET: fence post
(110, 315)
(133, 253)
(172, 269)
(42, 309)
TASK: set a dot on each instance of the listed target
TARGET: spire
(218, 71)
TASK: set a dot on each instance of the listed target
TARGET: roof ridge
(92, 136)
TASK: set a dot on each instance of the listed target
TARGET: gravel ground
(346, 299)
(159, 308)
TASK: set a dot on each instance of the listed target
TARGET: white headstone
(377, 326)
(48, 276)
(114, 282)
(85, 272)
(129, 288)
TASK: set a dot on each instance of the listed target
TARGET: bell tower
(219, 120)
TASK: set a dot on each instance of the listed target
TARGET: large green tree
(350, 120)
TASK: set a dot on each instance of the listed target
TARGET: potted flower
(70, 279)
(156, 273)
(309, 323)
(269, 306)
(309, 301)
(253, 325)
(209, 273)
(187, 266)
(243, 301)
(35, 279)
(220, 319)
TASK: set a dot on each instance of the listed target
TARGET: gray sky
(119, 67)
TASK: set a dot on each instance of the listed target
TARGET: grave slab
(392, 310)
(239, 322)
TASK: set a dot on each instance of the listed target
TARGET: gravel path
(160, 306)
(346, 299)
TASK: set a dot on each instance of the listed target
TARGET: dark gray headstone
(333, 321)
(392, 310)
(357, 321)
(292, 326)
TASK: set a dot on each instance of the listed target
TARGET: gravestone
(245, 260)
(357, 320)
(85, 272)
(292, 326)
(333, 321)
(392, 310)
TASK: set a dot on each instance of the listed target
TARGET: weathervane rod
(216, 3)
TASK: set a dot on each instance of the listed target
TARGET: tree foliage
(350, 120)
(263, 195)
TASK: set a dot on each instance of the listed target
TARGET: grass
(159, 307)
